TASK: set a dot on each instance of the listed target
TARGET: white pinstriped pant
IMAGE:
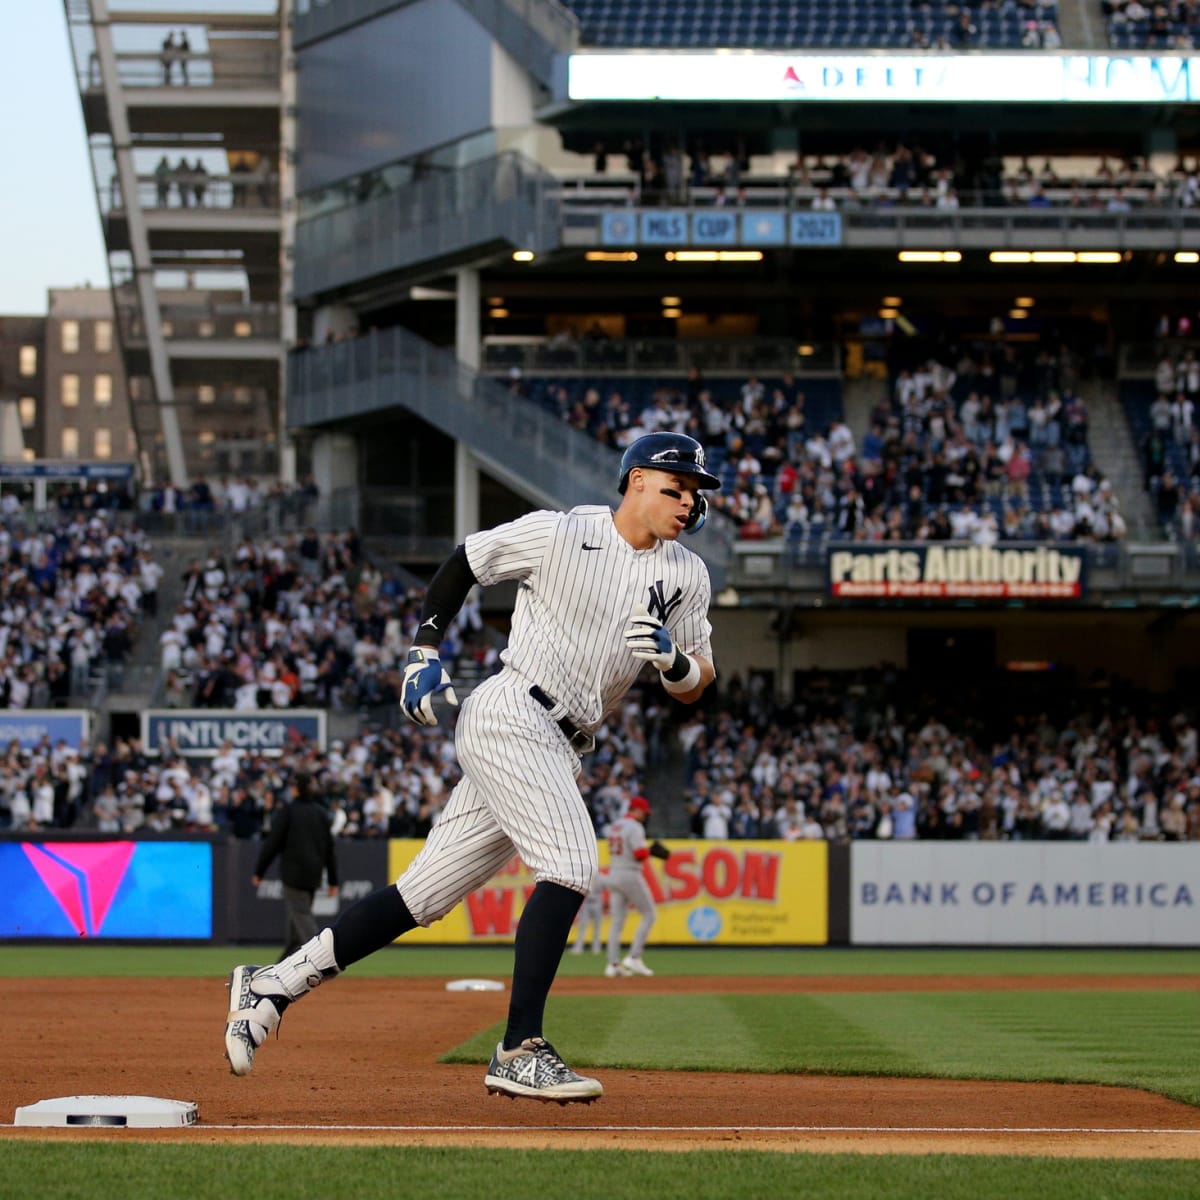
(518, 795)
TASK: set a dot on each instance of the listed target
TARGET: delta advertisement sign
(117, 889)
(1024, 894)
(752, 893)
(749, 75)
(945, 570)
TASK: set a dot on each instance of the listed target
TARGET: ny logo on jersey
(658, 605)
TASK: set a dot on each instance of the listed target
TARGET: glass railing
(506, 198)
(393, 368)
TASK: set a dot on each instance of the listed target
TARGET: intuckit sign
(200, 733)
(1024, 893)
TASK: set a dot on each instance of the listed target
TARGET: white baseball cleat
(617, 971)
(635, 966)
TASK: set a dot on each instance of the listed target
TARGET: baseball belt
(581, 741)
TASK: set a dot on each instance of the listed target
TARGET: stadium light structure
(1187, 256)
(621, 256)
(713, 256)
(1045, 257)
(929, 256)
(523, 256)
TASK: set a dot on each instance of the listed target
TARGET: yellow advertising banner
(708, 893)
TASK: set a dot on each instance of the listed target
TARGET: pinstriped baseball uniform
(579, 582)
(627, 886)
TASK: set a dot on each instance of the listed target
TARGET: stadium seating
(790, 23)
(1151, 26)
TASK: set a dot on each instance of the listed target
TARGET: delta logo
(83, 878)
(792, 81)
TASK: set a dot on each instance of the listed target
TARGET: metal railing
(224, 68)
(219, 322)
(916, 226)
(505, 199)
(1158, 567)
(183, 189)
(644, 356)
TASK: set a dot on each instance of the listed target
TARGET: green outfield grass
(307, 1173)
(1135, 1039)
(100, 958)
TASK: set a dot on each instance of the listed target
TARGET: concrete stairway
(859, 399)
(1116, 456)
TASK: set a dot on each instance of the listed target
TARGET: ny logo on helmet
(658, 605)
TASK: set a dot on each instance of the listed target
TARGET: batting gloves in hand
(424, 678)
(648, 640)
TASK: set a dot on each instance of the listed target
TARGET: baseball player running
(600, 595)
(627, 851)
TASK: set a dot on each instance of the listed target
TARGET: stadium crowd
(72, 599)
(874, 756)
(387, 782)
(991, 448)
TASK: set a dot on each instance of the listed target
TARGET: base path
(357, 1064)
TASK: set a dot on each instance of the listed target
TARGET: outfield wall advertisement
(112, 889)
(1024, 894)
(708, 893)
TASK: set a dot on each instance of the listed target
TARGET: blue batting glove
(424, 678)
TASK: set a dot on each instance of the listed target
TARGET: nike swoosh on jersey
(585, 546)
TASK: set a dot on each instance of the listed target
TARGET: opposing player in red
(627, 887)
(600, 595)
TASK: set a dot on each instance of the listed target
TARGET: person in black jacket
(302, 838)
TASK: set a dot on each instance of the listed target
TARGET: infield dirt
(357, 1064)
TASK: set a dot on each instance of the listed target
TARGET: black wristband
(679, 668)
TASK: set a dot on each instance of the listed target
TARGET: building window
(27, 361)
(242, 329)
(70, 391)
(130, 442)
(29, 454)
(70, 337)
(102, 442)
(103, 337)
(70, 442)
(243, 395)
(102, 391)
(206, 394)
(27, 407)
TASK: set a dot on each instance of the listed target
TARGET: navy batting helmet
(674, 452)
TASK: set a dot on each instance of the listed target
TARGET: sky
(49, 223)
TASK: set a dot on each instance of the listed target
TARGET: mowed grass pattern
(107, 959)
(1137, 1039)
(110, 1172)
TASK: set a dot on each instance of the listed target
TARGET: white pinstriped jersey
(626, 836)
(579, 582)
